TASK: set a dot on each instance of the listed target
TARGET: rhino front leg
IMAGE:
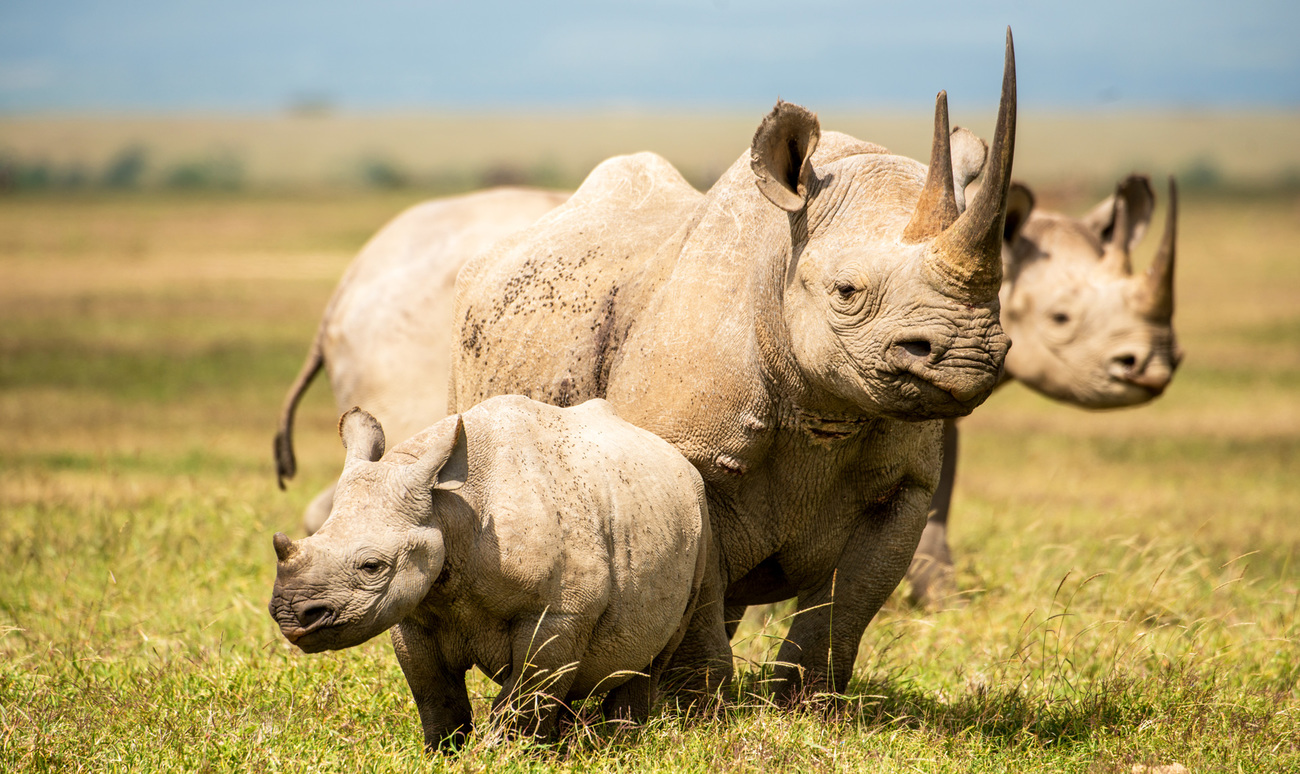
(439, 690)
(930, 578)
(822, 644)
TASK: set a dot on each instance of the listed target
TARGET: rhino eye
(1060, 318)
(845, 289)
(371, 566)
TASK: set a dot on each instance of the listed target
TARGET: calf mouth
(319, 621)
(313, 639)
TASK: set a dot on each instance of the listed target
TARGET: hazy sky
(213, 55)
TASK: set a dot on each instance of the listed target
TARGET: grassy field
(1131, 580)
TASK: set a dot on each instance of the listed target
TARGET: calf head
(890, 300)
(1086, 329)
(382, 547)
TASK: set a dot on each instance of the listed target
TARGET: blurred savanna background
(181, 188)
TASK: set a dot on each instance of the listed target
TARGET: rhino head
(890, 300)
(381, 549)
(1086, 329)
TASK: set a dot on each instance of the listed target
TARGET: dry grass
(1129, 579)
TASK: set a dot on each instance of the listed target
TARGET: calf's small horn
(936, 208)
(968, 254)
(284, 547)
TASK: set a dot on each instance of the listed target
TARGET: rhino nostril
(917, 348)
(313, 615)
(1127, 362)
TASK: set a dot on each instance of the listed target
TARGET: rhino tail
(285, 463)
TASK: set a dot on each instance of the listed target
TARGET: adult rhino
(1087, 331)
(384, 336)
(798, 332)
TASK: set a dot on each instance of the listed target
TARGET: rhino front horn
(968, 254)
(1160, 277)
(284, 547)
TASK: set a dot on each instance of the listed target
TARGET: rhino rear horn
(968, 254)
(362, 435)
(781, 155)
(936, 208)
(1159, 279)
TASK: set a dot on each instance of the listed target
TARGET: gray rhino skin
(799, 333)
(384, 336)
(559, 550)
(1086, 330)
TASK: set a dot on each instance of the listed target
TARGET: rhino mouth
(926, 397)
(312, 639)
(307, 628)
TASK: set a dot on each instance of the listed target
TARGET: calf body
(558, 550)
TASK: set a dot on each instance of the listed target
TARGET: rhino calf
(560, 551)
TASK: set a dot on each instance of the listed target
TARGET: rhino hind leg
(700, 666)
(630, 701)
(545, 655)
(930, 578)
(318, 510)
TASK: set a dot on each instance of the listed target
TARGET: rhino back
(576, 280)
(386, 331)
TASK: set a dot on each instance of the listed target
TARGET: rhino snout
(963, 374)
(1143, 369)
(299, 619)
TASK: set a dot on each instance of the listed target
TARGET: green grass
(1130, 580)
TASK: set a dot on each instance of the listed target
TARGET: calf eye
(1060, 318)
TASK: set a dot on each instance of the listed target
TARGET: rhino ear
(1139, 203)
(362, 435)
(1020, 202)
(781, 154)
(968, 154)
(445, 462)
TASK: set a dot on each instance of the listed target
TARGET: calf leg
(544, 662)
(701, 663)
(439, 690)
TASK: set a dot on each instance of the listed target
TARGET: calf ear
(1139, 205)
(781, 154)
(362, 435)
(445, 462)
(1020, 202)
